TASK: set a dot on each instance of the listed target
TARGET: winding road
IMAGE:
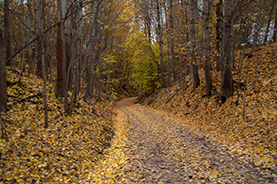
(152, 146)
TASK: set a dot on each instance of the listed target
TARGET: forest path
(151, 147)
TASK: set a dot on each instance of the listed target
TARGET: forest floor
(153, 146)
(66, 151)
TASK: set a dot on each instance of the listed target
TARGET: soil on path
(151, 146)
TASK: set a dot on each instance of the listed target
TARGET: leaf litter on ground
(65, 152)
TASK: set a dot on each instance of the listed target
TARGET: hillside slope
(66, 151)
(246, 121)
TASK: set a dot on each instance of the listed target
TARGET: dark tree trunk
(7, 38)
(206, 47)
(38, 57)
(218, 34)
(147, 21)
(171, 37)
(227, 88)
(43, 64)
(91, 67)
(59, 85)
(39, 43)
(160, 39)
(193, 66)
(64, 69)
(62, 6)
(3, 80)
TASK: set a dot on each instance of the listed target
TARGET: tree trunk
(206, 47)
(227, 88)
(269, 22)
(275, 27)
(39, 43)
(23, 41)
(43, 65)
(168, 49)
(147, 20)
(64, 71)
(62, 13)
(28, 36)
(218, 34)
(7, 30)
(171, 38)
(3, 80)
(78, 51)
(185, 64)
(160, 39)
(59, 50)
(193, 66)
(90, 75)
(100, 66)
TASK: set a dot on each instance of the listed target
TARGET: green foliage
(115, 82)
(144, 62)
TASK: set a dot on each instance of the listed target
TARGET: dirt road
(153, 147)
